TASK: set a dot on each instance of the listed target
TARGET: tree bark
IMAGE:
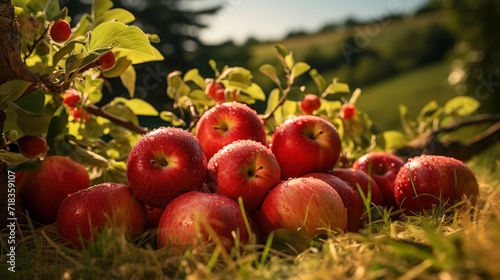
(12, 67)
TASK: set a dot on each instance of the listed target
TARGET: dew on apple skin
(184, 169)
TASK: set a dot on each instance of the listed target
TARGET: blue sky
(273, 19)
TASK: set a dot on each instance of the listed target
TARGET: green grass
(413, 89)
(460, 245)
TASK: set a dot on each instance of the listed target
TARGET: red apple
(32, 146)
(71, 97)
(193, 217)
(306, 203)
(347, 111)
(106, 205)
(165, 163)
(350, 197)
(226, 123)
(429, 181)
(107, 61)
(42, 189)
(310, 103)
(154, 215)
(359, 178)
(305, 144)
(383, 168)
(246, 169)
(60, 31)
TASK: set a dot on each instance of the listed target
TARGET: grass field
(413, 89)
(460, 245)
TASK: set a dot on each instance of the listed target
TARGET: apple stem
(317, 134)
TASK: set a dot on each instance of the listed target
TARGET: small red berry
(310, 103)
(71, 97)
(348, 111)
(60, 31)
(79, 114)
(107, 61)
(32, 146)
(216, 92)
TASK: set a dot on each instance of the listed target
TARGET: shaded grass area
(413, 89)
(444, 245)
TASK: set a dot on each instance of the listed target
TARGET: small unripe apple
(79, 114)
(310, 103)
(41, 190)
(60, 31)
(71, 97)
(106, 205)
(32, 146)
(107, 61)
(429, 181)
(347, 111)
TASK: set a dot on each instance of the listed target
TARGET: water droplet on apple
(299, 122)
(170, 133)
(194, 159)
(151, 138)
(184, 169)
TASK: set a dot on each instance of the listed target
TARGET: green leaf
(461, 106)
(281, 50)
(51, 9)
(295, 94)
(176, 87)
(299, 69)
(270, 71)
(88, 157)
(13, 159)
(405, 120)
(128, 79)
(129, 41)
(336, 87)
(120, 109)
(273, 100)
(428, 111)
(32, 124)
(213, 65)
(68, 48)
(58, 125)
(318, 80)
(194, 76)
(393, 140)
(138, 106)
(118, 14)
(255, 92)
(33, 102)
(92, 87)
(171, 118)
(237, 77)
(76, 62)
(289, 61)
(99, 7)
(198, 97)
(122, 64)
(82, 27)
(10, 91)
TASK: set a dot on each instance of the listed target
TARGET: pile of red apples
(227, 180)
